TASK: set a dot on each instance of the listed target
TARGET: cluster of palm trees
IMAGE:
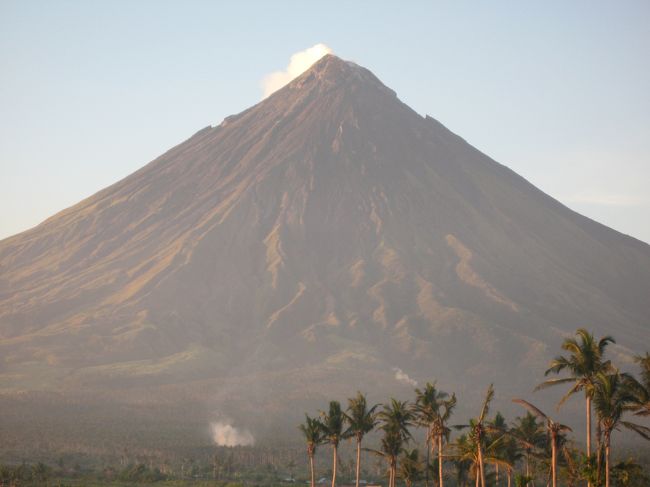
(535, 438)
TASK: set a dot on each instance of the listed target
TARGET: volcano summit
(306, 248)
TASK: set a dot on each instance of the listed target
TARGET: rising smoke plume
(225, 434)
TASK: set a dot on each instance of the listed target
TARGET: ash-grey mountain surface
(304, 249)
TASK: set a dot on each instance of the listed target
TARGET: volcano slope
(306, 248)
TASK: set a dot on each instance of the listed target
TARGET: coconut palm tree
(433, 408)
(530, 435)
(390, 447)
(312, 430)
(395, 418)
(410, 466)
(612, 397)
(554, 429)
(466, 456)
(362, 420)
(478, 427)
(585, 361)
(333, 427)
(466, 459)
(479, 431)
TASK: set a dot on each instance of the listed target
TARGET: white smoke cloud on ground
(402, 376)
(298, 64)
(225, 434)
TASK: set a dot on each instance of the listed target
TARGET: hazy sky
(559, 91)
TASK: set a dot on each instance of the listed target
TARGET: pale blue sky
(557, 90)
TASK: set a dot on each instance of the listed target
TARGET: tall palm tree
(395, 418)
(312, 429)
(479, 431)
(390, 447)
(333, 426)
(478, 428)
(585, 361)
(530, 435)
(433, 408)
(362, 420)
(554, 429)
(612, 396)
(410, 466)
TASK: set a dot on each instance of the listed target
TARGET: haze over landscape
(329, 238)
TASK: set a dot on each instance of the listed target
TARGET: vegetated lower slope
(307, 247)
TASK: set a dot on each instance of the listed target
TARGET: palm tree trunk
(589, 431)
(497, 472)
(480, 463)
(478, 475)
(434, 443)
(509, 477)
(607, 461)
(599, 451)
(527, 465)
(358, 460)
(334, 462)
(553, 459)
(440, 461)
(426, 470)
(311, 469)
(588, 426)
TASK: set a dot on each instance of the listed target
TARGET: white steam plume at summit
(298, 64)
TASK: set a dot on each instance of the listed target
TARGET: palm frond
(575, 388)
(489, 395)
(531, 408)
(554, 382)
(644, 431)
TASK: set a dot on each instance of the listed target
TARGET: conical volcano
(312, 245)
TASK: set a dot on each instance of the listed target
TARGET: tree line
(490, 451)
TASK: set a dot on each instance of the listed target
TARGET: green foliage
(360, 417)
(333, 423)
(629, 473)
(141, 473)
(410, 466)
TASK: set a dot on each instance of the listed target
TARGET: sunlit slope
(329, 232)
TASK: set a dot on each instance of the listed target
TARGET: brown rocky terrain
(305, 248)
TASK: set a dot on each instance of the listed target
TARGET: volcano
(310, 246)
